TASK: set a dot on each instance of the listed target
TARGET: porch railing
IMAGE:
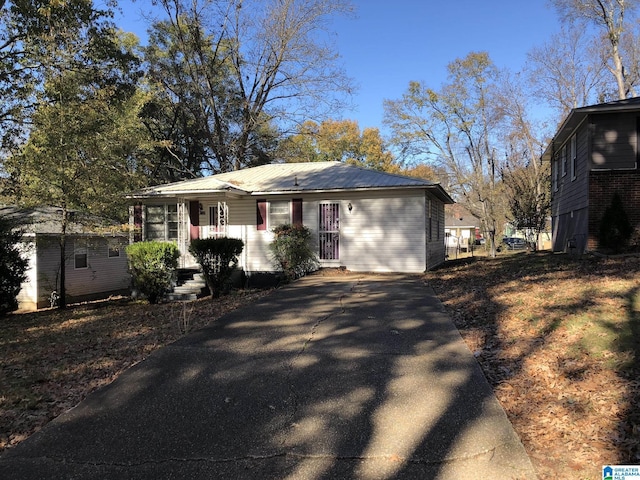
(211, 231)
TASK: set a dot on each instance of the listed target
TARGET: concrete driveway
(350, 377)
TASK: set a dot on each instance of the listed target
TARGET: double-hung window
(162, 222)
(279, 213)
(272, 213)
(80, 254)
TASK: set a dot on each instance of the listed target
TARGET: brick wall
(602, 187)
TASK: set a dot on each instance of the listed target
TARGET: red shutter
(194, 218)
(261, 221)
(137, 223)
(296, 205)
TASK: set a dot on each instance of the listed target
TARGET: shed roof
(277, 178)
(47, 220)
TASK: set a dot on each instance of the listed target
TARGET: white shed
(95, 260)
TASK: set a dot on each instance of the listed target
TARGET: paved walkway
(354, 377)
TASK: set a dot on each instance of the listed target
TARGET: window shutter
(137, 223)
(261, 221)
(296, 205)
(194, 219)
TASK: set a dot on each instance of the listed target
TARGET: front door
(329, 231)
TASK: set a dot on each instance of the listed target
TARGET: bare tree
(567, 72)
(609, 17)
(249, 69)
(456, 127)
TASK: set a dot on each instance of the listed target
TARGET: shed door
(329, 231)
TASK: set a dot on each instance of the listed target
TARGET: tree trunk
(62, 302)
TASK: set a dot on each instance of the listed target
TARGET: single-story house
(460, 227)
(361, 219)
(594, 155)
(95, 260)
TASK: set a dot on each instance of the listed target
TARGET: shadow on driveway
(362, 376)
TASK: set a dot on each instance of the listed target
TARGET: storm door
(329, 231)
(218, 215)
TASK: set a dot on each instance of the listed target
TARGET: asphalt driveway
(350, 377)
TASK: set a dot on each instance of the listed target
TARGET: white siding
(28, 295)
(48, 261)
(102, 276)
(385, 233)
(382, 234)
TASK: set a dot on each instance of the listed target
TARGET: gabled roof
(458, 216)
(279, 178)
(577, 116)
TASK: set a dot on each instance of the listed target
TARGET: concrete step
(192, 285)
(181, 297)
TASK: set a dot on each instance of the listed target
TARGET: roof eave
(577, 116)
(442, 194)
(185, 193)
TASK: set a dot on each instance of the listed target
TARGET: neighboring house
(593, 156)
(361, 219)
(96, 264)
(460, 227)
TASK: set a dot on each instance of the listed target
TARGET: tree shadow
(364, 379)
(628, 429)
(476, 304)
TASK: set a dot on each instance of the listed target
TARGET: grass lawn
(558, 338)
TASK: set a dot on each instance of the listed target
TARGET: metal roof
(48, 220)
(294, 177)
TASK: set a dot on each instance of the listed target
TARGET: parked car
(514, 243)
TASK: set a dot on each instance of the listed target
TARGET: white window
(563, 160)
(554, 174)
(279, 213)
(80, 254)
(162, 222)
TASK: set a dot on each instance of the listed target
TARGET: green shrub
(291, 251)
(218, 258)
(615, 227)
(153, 267)
(14, 266)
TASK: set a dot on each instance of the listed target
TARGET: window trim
(563, 160)
(166, 236)
(574, 156)
(270, 221)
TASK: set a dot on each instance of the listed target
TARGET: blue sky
(389, 43)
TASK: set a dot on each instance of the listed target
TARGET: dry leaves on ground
(558, 339)
(50, 360)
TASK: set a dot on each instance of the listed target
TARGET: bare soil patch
(558, 338)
